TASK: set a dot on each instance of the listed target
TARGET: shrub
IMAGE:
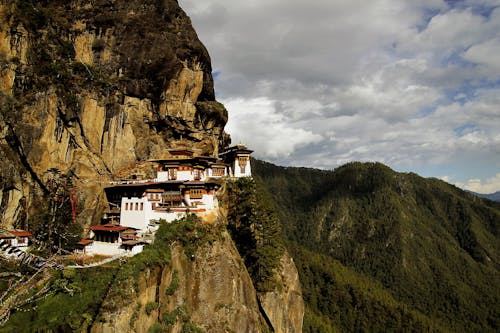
(174, 284)
(151, 306)
(155, 328)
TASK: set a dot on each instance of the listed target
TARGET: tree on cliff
(55, 227)
(256, 231)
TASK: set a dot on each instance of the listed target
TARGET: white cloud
(256, 123)
(488, 186)
(486, 54)
(408, 83)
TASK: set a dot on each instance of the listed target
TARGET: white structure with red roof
(185, 183)
(16, 238)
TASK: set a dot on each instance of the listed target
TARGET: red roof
(21, 233)
(108, 227)
(85, 242)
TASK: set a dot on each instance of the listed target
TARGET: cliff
(93, 88)
(89, 92)
(212, 290)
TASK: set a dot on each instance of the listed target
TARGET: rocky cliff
(92, 88)
(211, 290)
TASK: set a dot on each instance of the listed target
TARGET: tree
(56, 227)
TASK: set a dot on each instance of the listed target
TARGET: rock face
(285, 306)
(95, 89)
(92, 88)
(213, 291)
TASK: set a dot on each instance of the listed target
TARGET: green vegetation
(77, 296)
(151, 306)
(155, 328)
(353, 301)
(256, 231)
(432, 248)
(191, 328)
(73, 302)
(174, 284)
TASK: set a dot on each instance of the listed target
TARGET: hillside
(385, 246)
(90, 93)
(492, 196)
(195, 277)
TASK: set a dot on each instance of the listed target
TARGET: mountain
(379, 250)
(91, 91)
(492, 196)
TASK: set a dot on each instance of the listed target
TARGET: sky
(411, 84)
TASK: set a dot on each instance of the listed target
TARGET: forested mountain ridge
(433, 247)
(492, 196)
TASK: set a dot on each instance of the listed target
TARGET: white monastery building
(185, 183)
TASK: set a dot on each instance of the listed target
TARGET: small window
(126, 206)
(242, 161)
(218, 172)
(136, 206)
(196, 193)
(142, 206)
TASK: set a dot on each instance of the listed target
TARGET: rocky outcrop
(212, 290)
(92, 88)
(284, 306)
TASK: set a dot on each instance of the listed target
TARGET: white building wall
(208, 201)
(109, 249)
(131, 217)
(162, 176)
(137, 249)
(185, 175)
(237, 170)
(167, 216)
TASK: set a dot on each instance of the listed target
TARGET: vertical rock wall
(92, 88)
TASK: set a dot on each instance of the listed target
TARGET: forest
(378, 250)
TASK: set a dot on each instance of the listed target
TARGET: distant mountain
(379, 250)
(492, 196)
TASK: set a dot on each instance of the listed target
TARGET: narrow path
(102, 262)
(12, 252)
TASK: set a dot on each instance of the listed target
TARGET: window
(136, 206)
(126, 206)
(172, 173)
(197, 174)
(242, 161)
(142, 206)
(218, 172)
(196, 193)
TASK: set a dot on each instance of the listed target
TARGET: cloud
(413, 84)
(488, 186)
(485, 54)
(256, 122)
